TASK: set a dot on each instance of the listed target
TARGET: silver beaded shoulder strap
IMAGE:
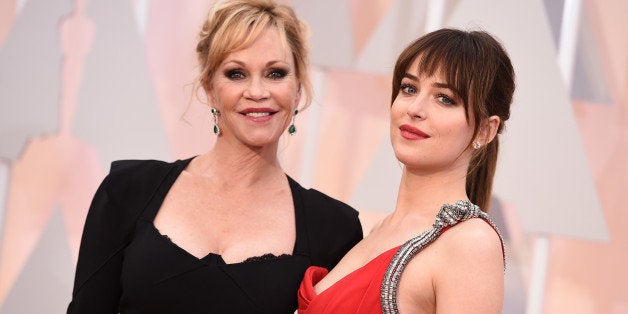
(448, 215)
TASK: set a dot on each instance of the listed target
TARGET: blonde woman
(227, 231)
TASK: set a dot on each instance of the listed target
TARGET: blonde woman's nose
(256, 90)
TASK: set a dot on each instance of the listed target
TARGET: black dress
(125, 265)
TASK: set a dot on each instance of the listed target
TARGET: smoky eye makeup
(234, 74)
(277, 73)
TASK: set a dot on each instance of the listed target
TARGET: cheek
(223, 94)
(465, 138)
(458, 132)
(396, 110)
(287, 95)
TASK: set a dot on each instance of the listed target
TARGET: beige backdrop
(83, 83)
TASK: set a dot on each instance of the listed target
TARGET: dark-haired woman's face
(428, 126)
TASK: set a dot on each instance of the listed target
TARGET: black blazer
(326, 228)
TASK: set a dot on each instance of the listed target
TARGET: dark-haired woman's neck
(423, 193)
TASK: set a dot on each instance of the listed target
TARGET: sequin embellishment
(448, 215)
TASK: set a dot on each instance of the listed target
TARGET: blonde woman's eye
(276, 74)
(234, 74)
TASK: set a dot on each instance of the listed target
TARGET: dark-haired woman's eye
(408, 89)
(277, 74)
(445, 99)
(234, 74)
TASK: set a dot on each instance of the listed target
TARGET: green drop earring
(293, 129)
(215, 114)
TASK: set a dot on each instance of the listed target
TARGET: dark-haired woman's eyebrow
(445, 85)
(410, 76)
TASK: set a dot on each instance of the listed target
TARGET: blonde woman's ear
(298, 100)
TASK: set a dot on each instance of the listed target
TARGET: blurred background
(86, 82)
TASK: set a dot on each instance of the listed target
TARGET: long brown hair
(479, 68)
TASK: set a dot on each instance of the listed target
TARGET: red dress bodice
(361, 291)
(358, 292)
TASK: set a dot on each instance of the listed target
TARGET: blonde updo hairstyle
(232, 25)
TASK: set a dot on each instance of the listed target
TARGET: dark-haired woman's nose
(417, 109)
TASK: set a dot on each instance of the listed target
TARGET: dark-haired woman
(438, 252)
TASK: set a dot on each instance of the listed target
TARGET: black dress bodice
(154, 275)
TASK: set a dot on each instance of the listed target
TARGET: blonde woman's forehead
(267, 46)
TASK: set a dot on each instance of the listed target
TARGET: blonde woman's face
(256, 91)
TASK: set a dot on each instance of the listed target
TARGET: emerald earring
(215, 114)
(293, 129)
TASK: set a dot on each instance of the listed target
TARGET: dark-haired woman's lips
(411, 133)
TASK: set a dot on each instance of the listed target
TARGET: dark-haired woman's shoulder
(463, 271)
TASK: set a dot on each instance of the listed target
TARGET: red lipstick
(411, 133)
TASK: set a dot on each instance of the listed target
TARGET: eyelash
(277, 74)
(446, 99)
(234, 74)
(409, 89)
(273, 74)
(404, 89)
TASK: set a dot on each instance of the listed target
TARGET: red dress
(358, 292)
(361, 291)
